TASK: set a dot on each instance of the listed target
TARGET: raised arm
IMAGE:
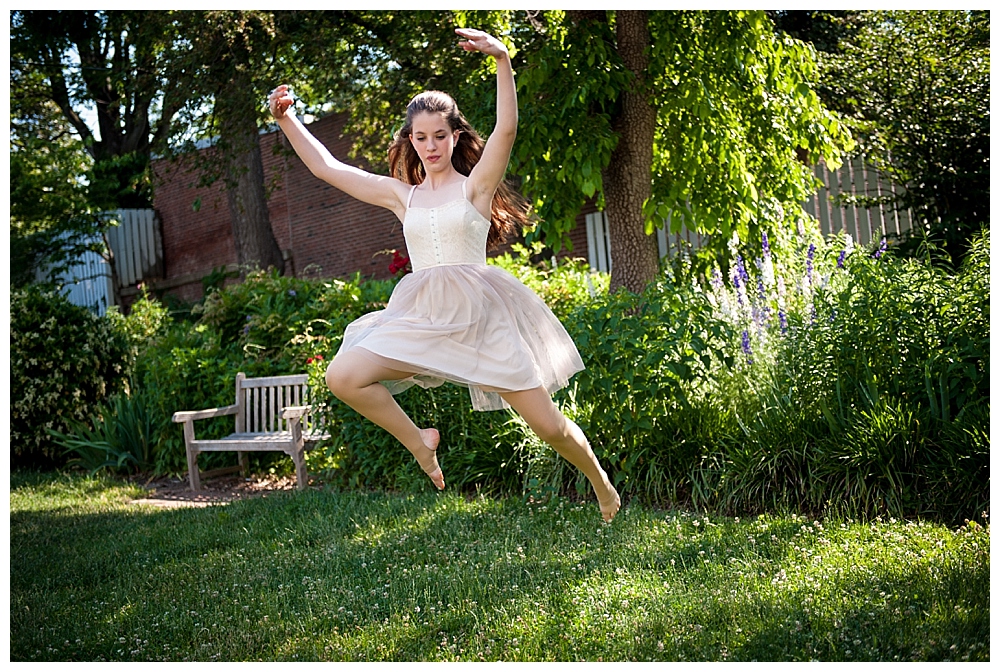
(380, 190)
(488, 173)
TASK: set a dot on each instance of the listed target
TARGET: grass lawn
(324, 575)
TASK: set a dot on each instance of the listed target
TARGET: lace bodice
(452, 233)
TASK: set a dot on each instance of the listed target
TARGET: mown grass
(325, 575)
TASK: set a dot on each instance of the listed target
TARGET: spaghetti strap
(410, 197)
(464, 195)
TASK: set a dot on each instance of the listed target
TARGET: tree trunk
(256, 245)
(627, 179)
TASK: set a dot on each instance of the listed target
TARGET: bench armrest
(184, 416)
(289, 412)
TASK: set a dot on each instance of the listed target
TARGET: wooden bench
(271, 415)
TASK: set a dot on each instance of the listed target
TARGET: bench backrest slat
(298, 379)
(241, 418)
(262, 399)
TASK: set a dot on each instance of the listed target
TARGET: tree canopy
(734, 119)
(734, 104)
(915, 87)
(51, 216)
(118, 62)
(65, 176)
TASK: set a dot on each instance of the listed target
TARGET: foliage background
(834, 379)
(779, 371)
(914, 88)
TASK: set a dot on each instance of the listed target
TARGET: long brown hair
(509, 210)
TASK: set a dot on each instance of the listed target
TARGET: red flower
(399, 263)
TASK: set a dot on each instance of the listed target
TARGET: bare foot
(428, 457)
(610, 506)
(611, 502)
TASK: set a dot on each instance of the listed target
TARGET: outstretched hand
(279, 101)
(477, 40)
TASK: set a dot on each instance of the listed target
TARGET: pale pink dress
(457, 319)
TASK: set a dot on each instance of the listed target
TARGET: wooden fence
(855, 177)
(136, 250)
(88, 282)
(137, 246)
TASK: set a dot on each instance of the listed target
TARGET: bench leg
(193, 475)
(244, 463)
(192, 456)
(299, 454)
(301, 475)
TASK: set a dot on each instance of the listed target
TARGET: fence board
(135, 244)
(86, 283)
(855, 177)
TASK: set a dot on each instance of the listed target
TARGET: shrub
(647, 358)
(266, 325)
(184, 368)
(146, 319)
(64, 361)
(862, 388)
(562, 284)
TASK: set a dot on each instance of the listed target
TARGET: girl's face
(433, 139)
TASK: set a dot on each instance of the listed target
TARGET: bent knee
(338, 379)
(348, 373)
(552, 430)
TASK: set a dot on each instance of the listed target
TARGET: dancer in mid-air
(454, 318)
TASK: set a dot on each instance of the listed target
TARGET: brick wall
(322, 231)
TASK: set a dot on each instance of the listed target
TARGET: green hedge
(266, 325)
(64, 361)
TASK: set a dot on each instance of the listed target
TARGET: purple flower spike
(742, 270)
(881, 249)
(291, 292)
(783, 321)
(840, 259)
(764, 244)
(746, 346)
(716, 279)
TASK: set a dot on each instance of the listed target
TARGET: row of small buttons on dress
(436, 237)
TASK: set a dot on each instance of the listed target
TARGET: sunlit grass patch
(322, 575)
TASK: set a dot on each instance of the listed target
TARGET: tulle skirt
(474, 325)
